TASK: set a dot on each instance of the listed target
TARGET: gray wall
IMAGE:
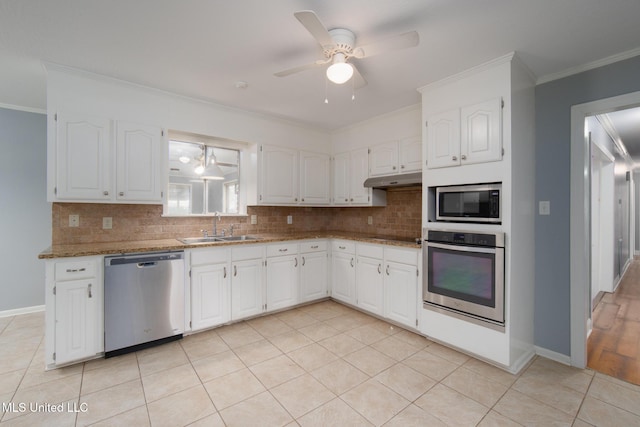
(553, 163)
(25, 215)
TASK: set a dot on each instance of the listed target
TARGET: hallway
(614, 344)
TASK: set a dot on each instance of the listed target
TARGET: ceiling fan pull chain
(326, 89)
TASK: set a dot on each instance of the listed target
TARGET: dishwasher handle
(148, 264)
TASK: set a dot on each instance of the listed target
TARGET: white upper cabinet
(395, 157)
(359, 172)
(350, 170)
(82, 158)
(139, 162)
(90, 163)
(383, 159)
(341, 182)
(315, 182)
(466, 135)
(278, 175)
(292, 177)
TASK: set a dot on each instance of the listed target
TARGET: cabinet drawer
(246, 252)
(313, 246)
(282, 249)
(343, 246)
(403, 256)
(209, 256)
(73, 270)
(371, 251)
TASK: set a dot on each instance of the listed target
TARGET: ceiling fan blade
(294, 70)
(310, 20)
(401, 41)
(358, 80)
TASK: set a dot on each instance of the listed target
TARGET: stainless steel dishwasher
(143, 301)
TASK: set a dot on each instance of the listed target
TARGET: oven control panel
(466, 238)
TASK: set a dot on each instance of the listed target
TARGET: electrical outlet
(370, 220)
(289, 219)
(74, 220)
(107, 223)
(544, 207)
(254, 219)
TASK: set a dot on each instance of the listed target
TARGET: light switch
(74, 220)
(107, 223)
(254, 219)
(370, 220)
(289, 219)
(544, 207)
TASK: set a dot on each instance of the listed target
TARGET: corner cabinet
(467, 135)
(105, 161)
(74, 310)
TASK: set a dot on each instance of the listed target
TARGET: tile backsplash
(401, 218)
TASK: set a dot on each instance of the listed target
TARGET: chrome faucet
(216, 215)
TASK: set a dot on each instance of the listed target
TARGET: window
(203, 177)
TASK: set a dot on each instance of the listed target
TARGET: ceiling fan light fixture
(340, 71)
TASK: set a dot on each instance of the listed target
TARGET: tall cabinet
(479, 128)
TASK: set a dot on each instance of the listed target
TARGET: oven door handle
(463, 248)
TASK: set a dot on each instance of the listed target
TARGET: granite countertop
(87, 249)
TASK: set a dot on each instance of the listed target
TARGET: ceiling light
(340, 71)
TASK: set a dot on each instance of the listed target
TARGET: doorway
(582, 214)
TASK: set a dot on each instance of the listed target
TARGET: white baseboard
(25, 310)
(552, 355)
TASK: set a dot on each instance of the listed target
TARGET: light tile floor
(318, 365)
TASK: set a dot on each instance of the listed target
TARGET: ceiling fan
(338, 46)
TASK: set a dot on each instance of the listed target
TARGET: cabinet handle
(225, 272)
(454, 158)
(106, 193)
(296, 264)
(235, 270)
(352, 200)
(351, 262)
(346, 200)
(303, 261)
(89, 290)
(302, 199)
(314, 247)
(387, 269)
(296, 199)
(121, 193)
(401, 166)
(394, 168)
(379, 268)
(463, 157)
(283, 250)
(75, 270)
(342, 247)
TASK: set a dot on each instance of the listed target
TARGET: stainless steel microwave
(469, 203)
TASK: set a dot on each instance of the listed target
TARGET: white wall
(25, 216)
(392, 126)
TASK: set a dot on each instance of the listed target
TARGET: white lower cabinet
(247, 285)
(210, 288)
(313, 270)
(282, 276)
(369, 278)
(74, 310)
(401, 277)
(343, 271)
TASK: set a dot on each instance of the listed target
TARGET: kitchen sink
(192, 240)
(237, 238)
(212, 239)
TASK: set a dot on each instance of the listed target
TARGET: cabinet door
(370, 284)
(313, 276)
(410, 154)
(401, 290)
(246, 289)
(282, 282)
(315, 169)
(278, 175)
(76, 317)
(209, 296)
(343, 277)
(139, 162)
(481, 139)
(83, 158)
(341, 182)
(359, 172)
(443, 139)
(383, 159)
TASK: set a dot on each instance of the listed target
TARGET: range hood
(404, 180)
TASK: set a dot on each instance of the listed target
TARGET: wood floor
(614, 344)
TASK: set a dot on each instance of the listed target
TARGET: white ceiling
(201, 48)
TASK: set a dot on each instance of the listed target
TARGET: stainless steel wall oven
(465, 275)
